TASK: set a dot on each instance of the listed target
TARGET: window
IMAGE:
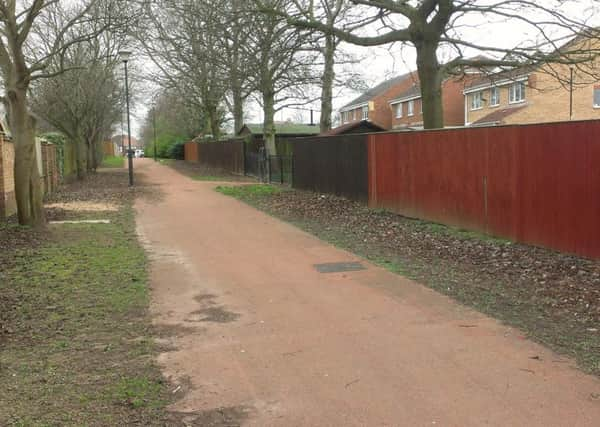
(477, 101)
(516, 92)
(365, 112)
(344, 118)
(398, 110)
(494, 97)
(597, 97)
(411, 108)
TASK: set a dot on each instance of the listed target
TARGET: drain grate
(339, 267)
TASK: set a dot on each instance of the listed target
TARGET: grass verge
(113, 162)
(553, 298)
(75, 337)
(206, 178)
(249, 192)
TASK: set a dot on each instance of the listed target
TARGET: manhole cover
(339, 267)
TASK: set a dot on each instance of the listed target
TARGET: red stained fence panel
(538, 184)
(226, 155)
(191, 152)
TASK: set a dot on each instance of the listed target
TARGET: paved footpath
(259, 336)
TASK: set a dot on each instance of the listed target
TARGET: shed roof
(285, 128)
(363, 126)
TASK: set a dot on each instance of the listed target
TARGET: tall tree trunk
(81, 156)
(327, 83)
(27, 178)
(269, 122)
(238, 106)
(430, 77)
(90, 156)
(213, 120)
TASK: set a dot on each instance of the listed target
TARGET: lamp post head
(124, 55)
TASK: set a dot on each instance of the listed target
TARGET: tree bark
(327, 83)
(213, 121)
(81, 157)
(238, 107)
(269, 122)
(27, 178)
(430, 77)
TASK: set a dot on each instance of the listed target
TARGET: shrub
(177, 151)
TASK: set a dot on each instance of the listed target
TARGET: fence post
(244, 157)
(268, 168)
(281, 169)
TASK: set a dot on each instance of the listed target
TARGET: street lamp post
(125, 58)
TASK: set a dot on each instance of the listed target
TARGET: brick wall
(452, 103)
(547, 99)
(8, 203)
(380, 110)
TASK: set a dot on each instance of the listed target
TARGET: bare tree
(179, 37)
(285, 56)
(25, 57)
(174, 121)
(331, 13)
(430, 26)
(84, 112)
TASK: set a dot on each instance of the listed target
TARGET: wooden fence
(8, 203)
(332, 164)
(537, 184)
(47, 168)
(226, 155)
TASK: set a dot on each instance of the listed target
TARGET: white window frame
(516, 93)
(477, 101)
(365, 112)
(410, 108)
(399, 108)
(494, 96)
(596, 90)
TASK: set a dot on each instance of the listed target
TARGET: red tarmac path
(255, 326)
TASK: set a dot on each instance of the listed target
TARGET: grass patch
(166, 162)
(113, 162)
(249, 192)
(77, 348)
(207, 178)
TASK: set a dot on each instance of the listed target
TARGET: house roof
(364, 126)
(285, 128)
(377, 90)
(497, 117)
(412, 92)
(500, 77)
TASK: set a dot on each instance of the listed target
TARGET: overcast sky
(385, 62)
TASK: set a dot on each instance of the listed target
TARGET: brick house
(407, 108)
(373, 105)
(534, 94)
